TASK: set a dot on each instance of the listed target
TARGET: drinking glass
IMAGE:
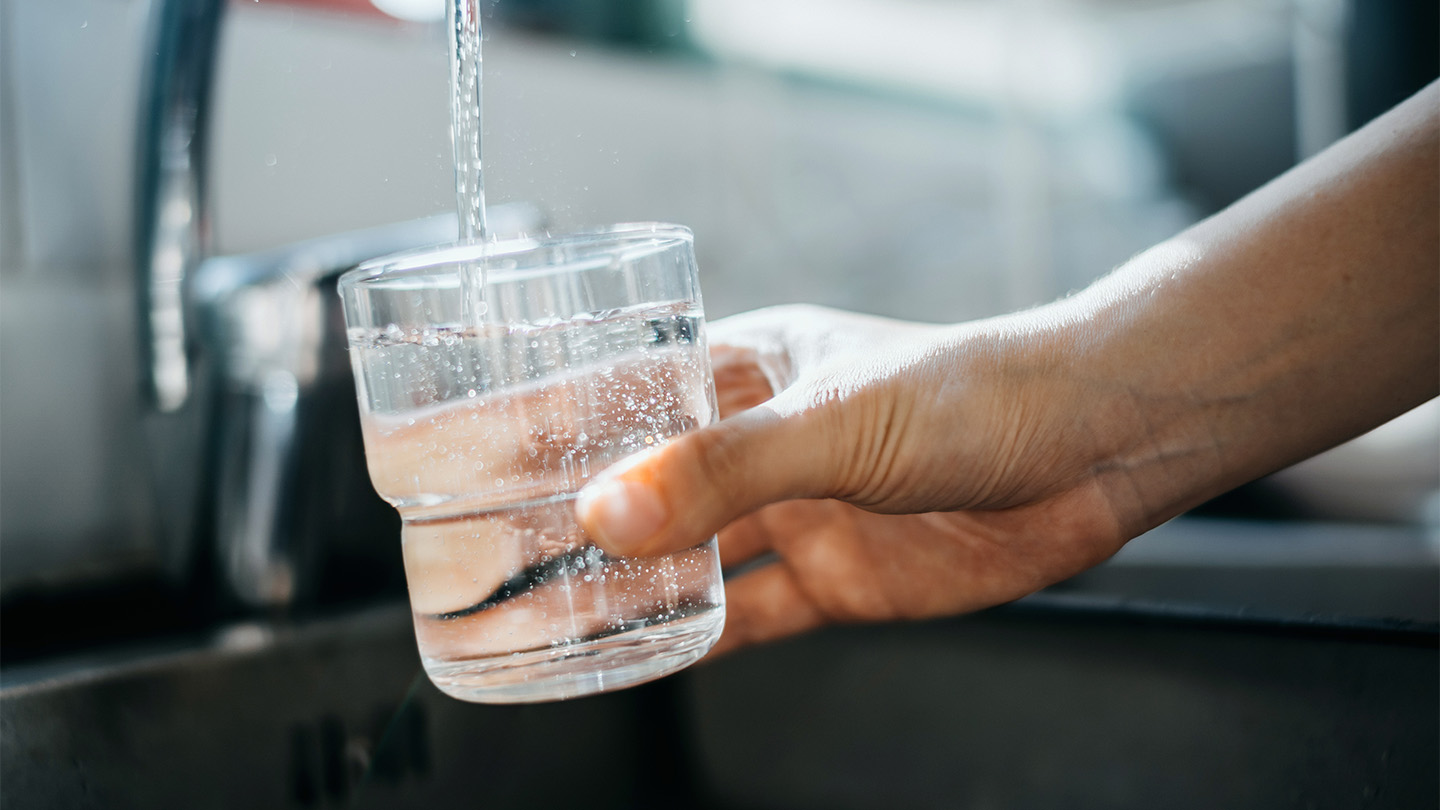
(486, 407)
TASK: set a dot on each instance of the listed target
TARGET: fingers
(764, 605)
(685, 491)
(740, 382)
(745, 540)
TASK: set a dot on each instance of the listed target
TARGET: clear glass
(481, 429)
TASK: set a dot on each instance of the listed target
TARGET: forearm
(1303, 315)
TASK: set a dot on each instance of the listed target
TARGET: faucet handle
(287, 442)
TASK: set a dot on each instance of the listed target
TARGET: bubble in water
(494, 438)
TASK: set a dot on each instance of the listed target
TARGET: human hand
(886, 470)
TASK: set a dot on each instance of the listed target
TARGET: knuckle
(719, 461)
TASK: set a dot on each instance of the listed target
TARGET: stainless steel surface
(1288, 568)
(1074, 705)
(1048, 703)
(328, 714)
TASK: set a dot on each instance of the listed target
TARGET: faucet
(171, 231)
(243, 357)
(172, 228)
(286, 428)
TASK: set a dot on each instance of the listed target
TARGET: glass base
(588, 668)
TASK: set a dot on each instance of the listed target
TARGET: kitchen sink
(1082, 696)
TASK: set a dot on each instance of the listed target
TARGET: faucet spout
(171, 220)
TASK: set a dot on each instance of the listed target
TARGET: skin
(887, 470)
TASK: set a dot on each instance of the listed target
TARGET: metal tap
(243, 357)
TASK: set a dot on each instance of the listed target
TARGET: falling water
(466, 81)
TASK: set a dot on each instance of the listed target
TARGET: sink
(1071, 698)
(1279, 568)
(332, 713)
(1066, 701)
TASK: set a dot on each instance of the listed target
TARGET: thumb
(681, 493)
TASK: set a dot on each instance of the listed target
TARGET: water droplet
(572, 53)
(270, 160)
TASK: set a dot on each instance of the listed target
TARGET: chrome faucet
(286, 429)
(243, 357)
(171, 220)
(171, 230)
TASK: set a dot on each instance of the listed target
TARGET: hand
(851, 435)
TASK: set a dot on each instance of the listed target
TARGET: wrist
(1133, 375)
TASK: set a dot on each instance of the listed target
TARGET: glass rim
(423, 261)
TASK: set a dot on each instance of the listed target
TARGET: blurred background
(183, 180)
